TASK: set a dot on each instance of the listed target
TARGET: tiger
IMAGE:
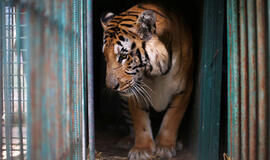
(149, 62)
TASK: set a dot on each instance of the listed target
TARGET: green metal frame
(57, 45)
(248, 79)
(211, 78)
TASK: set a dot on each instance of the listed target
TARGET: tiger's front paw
(165, 152)
(138, 153)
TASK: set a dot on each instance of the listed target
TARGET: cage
(43, 69)
(14, 86)
(53, 101)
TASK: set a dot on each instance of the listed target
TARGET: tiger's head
(131, 49)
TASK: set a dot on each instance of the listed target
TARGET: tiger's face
(126, 61)
(129, 49)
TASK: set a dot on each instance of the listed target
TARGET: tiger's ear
(146, 24)
(106, 18)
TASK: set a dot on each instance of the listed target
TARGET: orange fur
(165, 79)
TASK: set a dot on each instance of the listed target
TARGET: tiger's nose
(112, 82)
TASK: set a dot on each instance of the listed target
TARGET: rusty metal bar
(243, 79)
(252, 56)
(233, 81)
(254, 95)
(261, 66)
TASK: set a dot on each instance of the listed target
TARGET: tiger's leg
(144, 146)
(166, 138)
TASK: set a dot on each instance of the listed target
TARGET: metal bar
(83, 98)
(244, 79)
(261, 65)
(18, 41)
(229, 49)
(90, 78)
(27, 57)
(233, 81)
(7, 93)
(210, 91)
(76, 133)
(252, 56)
(268, 78)
(2, 44)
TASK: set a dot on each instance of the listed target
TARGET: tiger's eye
(123, 56)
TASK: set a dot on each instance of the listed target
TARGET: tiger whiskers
(136, 97)
(143, 94)
(150, 89)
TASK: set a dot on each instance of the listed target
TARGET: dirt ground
(107, 137)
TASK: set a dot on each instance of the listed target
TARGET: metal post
(19, 76)
(244, 79)
(252, 56)
(262, 90)
(2, 50)
(90, 78)
(233, 81)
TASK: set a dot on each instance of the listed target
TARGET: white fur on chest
(163, 88)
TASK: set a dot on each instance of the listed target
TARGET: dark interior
(109, 123)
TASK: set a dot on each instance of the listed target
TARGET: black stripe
(139, 55)
(146, 55)
(119, 43)
(127, 25)
(129, 15)
(139, 66)
(124, 31)
(117, 18)
(129, 12)
(114, 21)
(143, 45)
(133, 45)
(127, 19)
(121, 38)
(114, 29)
